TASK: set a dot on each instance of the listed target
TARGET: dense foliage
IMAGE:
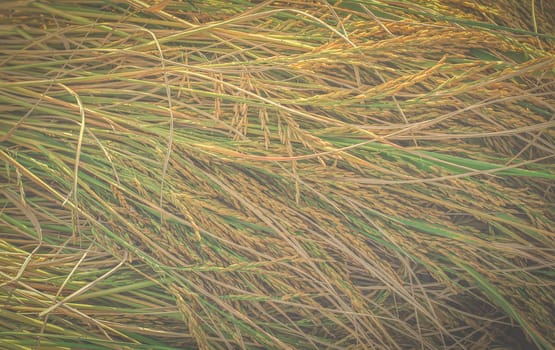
(277, 175)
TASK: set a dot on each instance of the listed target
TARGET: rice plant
(277, 174)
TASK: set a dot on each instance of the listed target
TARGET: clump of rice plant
(277, 174)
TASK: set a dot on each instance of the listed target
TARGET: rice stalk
(277, 175)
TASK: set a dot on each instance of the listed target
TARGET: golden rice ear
(276, 174)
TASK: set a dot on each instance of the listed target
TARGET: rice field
(277, 174)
